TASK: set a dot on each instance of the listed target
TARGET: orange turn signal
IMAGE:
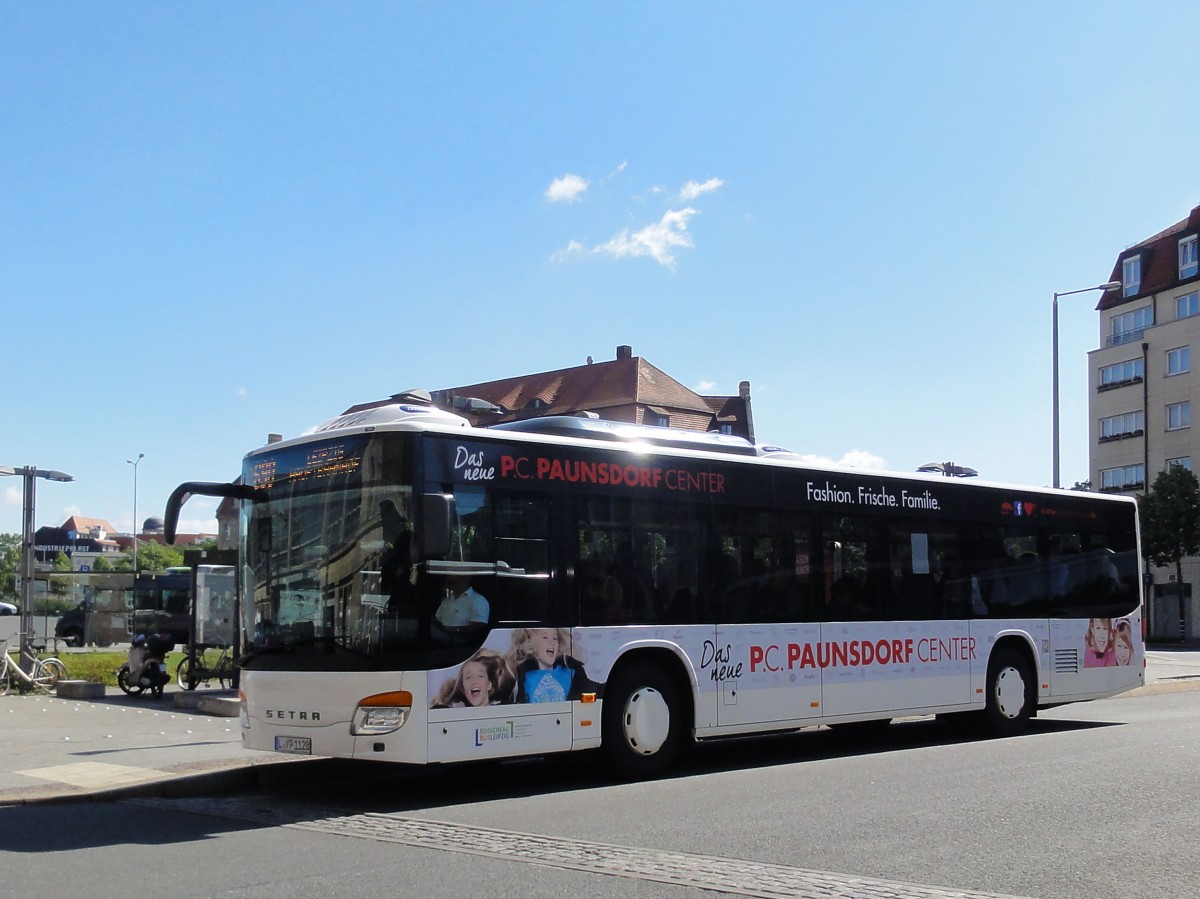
(394, 698)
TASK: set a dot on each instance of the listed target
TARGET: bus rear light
(382, 713)
(585, 723)
(588, 697)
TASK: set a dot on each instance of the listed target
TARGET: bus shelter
(214, 621)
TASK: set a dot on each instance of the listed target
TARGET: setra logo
(293, 715)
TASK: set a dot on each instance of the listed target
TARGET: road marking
(722, 875)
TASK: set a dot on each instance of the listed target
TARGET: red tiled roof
(618, 389)
(600, 385)
(1160, 263)
(82, 524)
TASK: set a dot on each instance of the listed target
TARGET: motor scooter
(146, 668)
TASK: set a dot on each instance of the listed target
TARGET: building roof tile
(1160, 263)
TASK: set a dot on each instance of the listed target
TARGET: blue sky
(222, 220)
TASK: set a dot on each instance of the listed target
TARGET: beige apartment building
(1141, 387)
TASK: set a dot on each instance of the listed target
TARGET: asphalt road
(1100, 800)
(43, 629)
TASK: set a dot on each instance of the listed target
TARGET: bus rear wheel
(642, 722)
(1010, 693)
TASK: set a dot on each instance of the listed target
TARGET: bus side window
(911, 575)
(852, 570)
(521, 541)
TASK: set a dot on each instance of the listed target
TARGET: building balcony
(1125, 337)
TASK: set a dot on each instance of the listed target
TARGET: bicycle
(46, 674)
(192, 671)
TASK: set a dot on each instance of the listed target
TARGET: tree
(10, 563)
(60, 587)
(1171, 521)
(101, 564)
(156, 557)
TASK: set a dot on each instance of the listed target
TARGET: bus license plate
(294, 745)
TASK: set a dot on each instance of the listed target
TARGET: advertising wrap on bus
(427, 592)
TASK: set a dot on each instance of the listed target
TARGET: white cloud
(12, 496)
(658, 241)
(571, 250)
(616, 171)
(693, 189)
(862, 459)
(566, 189)
(705, 386)
(241, 391)
(852, 459)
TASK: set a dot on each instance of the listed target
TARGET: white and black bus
(417, 590)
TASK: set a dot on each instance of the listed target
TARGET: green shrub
(102, 667)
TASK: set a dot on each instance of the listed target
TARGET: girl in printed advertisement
(545, 668)
(483, 680)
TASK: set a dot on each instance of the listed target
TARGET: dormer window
(1189, 261)
(1131, 275)
(656, 418)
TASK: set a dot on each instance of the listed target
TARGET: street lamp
(29, 473)
(1110, 285)
(948, 469)
(135, 463)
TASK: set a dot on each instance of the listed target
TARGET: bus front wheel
(1010, 693)
(642, 723)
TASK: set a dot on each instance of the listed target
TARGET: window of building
(1131, 275)
(1179, 415)
(1188, 258)
(1127, 477)
(1116, 427)
(1179, 361)
(657, 419)
(1187, 305)
(1121, 373)
(1129, 326)
(1181, 461)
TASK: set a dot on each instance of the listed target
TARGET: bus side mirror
(184, 492)
(437, 515)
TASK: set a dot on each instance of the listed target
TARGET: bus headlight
(381, 713)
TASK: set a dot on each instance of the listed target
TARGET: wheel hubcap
(646, 721)
(1010, 693)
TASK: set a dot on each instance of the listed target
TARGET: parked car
(71, 624)
(7, 608)
(95, 621)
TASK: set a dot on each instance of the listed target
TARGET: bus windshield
(323, 552)
(333, 576)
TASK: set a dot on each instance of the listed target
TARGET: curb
(216, 704)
